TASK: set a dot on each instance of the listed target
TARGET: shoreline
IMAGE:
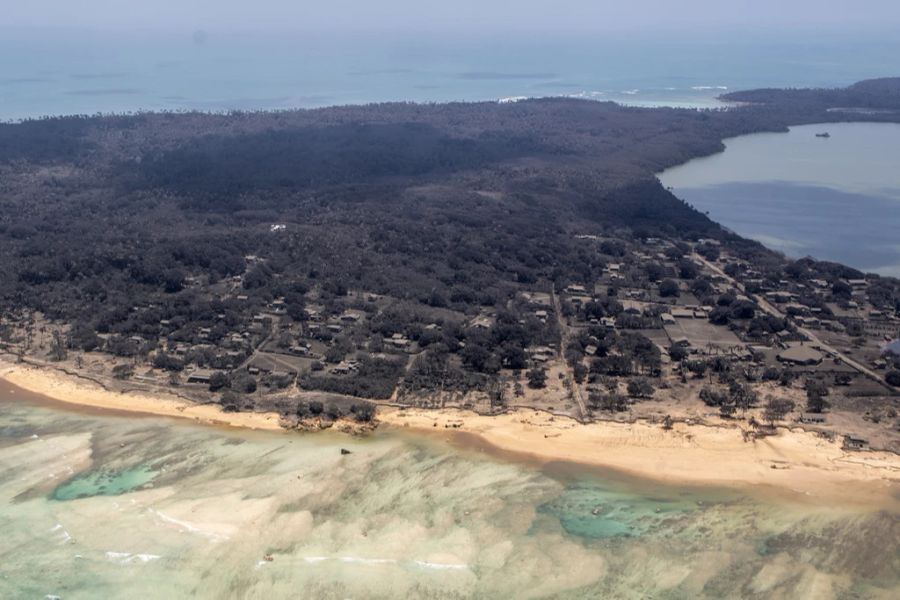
(794, 461)
(63, 389)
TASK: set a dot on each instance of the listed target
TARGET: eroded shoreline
(795, 461)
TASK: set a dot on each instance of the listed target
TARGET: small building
(853, 442)
(667, 319)
(350, 316)
(812, 418)
(482, 323)
(201, 376)
(804, 356)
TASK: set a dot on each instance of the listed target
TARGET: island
(514, 270)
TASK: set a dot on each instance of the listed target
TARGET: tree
(58, 350)
(893, 378)
(668, 289)
(217, 381)
(742, 396)
(243, 383)
(687, 269)
(640, 387)
(678, 352)
(727, 410)
(611, 402)
(776, 409)
(231, 401)
(816, 402)
(123, 371)
(364, 412)
(537, 378)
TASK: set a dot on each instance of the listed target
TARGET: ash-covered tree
(537, 378)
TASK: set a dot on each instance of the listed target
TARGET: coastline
(64, 389)
(794, 461)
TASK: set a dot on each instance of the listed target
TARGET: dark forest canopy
(873, 94)
(446, 203)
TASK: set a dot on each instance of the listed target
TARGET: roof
(803, 355)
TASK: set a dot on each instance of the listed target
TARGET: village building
(801, 355)
(201, 376)
(854, 442)
(812, 418)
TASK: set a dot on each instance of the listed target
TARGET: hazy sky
(598, 15)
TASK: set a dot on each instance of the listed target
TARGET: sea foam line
(388, 561)
(123, 558)
(216, 537)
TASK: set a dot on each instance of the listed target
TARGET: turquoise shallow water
(105, 483)
(113, 507)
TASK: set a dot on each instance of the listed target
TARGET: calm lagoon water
(834, 198)
(115, 507)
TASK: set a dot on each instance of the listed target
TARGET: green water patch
(105, 483)
(593, 511)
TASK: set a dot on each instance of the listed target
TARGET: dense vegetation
(149, 226)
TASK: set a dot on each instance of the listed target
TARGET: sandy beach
(796, 461)
(66, 389)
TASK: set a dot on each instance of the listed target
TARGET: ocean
(55, 72)
(102, 506)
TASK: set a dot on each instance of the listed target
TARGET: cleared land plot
(280, 362)
(702, 333)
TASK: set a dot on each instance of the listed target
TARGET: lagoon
(835, 198)
(95, 505)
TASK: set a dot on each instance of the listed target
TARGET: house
(482, 323)
(853, 442)
(201, 376)
(350, 316)
(800, 355)
(812, 418)
(398, 340)
(590, 350)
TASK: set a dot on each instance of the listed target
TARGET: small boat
(823, 135)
